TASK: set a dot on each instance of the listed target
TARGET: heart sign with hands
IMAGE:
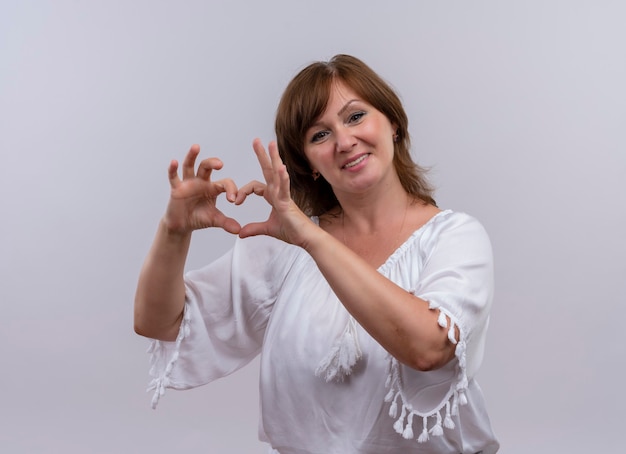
(192, 204)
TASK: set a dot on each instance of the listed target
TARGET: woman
(368, 303)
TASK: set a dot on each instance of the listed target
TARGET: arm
(402, 323)
(160, 295)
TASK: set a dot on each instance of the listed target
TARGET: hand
(192, 204)
(286, 221)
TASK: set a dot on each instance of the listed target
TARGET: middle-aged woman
(368, 304)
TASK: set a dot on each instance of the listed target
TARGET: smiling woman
(303, 103)
(368, 303)
(351, 145)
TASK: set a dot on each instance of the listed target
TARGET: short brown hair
(305, 100)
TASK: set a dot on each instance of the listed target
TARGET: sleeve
(456, 278)
(227, 306)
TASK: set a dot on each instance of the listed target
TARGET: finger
(229, 187)
(264, 160)
(253, 229)
(280, 170)
(285, 187)
(190, 161)
(228, 224)
(207, 166)
(277, 162)
(172, 173)
(254, 187)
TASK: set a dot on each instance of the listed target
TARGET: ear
(396, 132)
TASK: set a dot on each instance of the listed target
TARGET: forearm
(401, 322)
(160, 295)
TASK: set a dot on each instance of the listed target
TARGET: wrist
(171, 233)
(317, 239)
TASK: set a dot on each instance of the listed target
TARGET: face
(351, 144)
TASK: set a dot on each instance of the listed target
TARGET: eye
(318, 136)
(356, 117)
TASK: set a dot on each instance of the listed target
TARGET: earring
(395, 137)
(316, 175)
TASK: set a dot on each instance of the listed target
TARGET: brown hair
(302, 103)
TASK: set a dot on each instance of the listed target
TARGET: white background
(520, 107)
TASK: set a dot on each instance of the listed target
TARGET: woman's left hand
(286, 221)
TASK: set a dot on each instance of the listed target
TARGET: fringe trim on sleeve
(161, 379)
(440, 417)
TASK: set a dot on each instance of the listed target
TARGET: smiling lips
(357, 161)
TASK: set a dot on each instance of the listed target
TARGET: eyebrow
(341, 111)
(346, 105)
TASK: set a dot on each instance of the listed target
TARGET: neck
(371, 214)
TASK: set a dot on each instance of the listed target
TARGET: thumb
(228, 224)
(253, 229)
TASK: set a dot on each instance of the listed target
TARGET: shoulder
(455, 221)
(457, 231)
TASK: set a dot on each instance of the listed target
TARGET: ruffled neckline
(399, 251)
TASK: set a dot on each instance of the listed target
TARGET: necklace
(398, 234)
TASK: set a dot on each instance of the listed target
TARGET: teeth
(355, 162)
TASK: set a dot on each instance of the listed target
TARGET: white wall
(519, 106)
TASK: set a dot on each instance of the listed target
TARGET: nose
(344, 139)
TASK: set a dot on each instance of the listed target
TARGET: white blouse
(326, 386)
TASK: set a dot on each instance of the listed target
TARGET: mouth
(355, 162)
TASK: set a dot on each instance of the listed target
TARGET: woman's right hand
(192, 204)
